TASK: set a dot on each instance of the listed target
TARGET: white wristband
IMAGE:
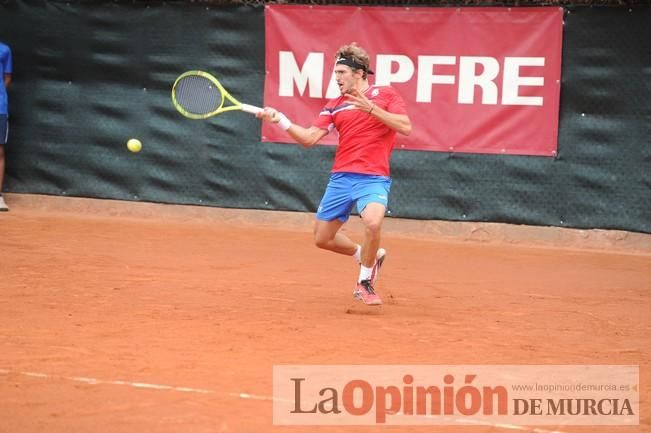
(284, 123)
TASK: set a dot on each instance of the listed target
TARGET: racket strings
(198, 95)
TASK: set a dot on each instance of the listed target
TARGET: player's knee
(321, 241)
(373, 227)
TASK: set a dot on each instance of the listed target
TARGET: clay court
(119, 317)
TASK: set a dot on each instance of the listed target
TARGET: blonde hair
(357, 53)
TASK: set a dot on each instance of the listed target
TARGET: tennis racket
(199, 95)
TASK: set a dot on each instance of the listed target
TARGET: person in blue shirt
(5, 79)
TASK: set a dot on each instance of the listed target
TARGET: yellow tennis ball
(134, 145)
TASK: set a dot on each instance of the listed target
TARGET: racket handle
(251, 109)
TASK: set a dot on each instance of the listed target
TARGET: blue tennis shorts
(346, 189)
(4, 128)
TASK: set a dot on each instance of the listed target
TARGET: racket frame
(237, 105)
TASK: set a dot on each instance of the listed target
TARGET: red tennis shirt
(365, 143)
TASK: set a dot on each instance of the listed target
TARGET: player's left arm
(396, 121)
(7, 67)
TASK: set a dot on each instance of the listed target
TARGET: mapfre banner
(479, 80)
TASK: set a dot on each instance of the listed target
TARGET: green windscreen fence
(89, 76)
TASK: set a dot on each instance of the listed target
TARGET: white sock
(364, 273)
(358, 254)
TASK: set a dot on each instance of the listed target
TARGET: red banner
(478, 80)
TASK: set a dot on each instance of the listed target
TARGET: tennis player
(367, 119)
(5, 79)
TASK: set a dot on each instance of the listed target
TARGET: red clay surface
(89, 301)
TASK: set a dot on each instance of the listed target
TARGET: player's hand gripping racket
(199, 95)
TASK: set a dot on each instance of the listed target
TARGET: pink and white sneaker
(365, 293)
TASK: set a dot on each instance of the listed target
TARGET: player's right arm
(306, 137)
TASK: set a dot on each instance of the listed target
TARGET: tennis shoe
(379, 259)
(365, 293)
(3, 205)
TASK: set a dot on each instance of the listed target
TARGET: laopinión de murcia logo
(440, 395)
